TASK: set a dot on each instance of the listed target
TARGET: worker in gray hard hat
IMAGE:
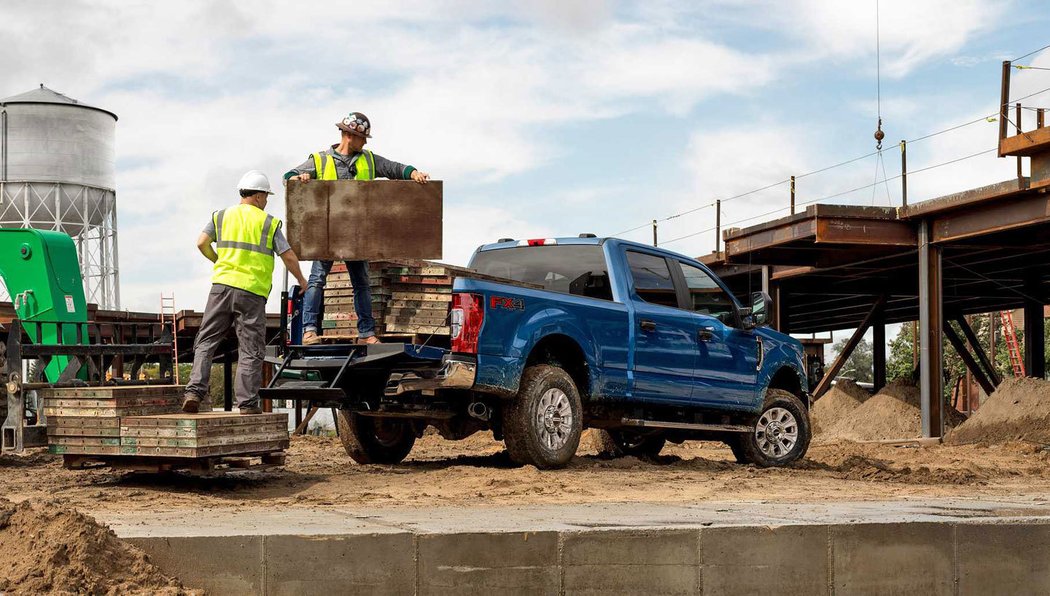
(347, 160)
(245, 238)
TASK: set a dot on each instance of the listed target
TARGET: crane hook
(879, 135)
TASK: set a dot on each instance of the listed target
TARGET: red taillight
(468, 312)
(538, 242)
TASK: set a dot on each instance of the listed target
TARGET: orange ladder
(1010, 337)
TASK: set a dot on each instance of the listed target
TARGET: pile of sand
(46, 548)
(893, 413)
(1019, 410)
(835, 405)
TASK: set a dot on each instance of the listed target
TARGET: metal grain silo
(57, 172)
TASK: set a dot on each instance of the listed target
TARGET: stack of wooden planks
(147, 421)
(208, 434)
(408, 298)
(86, 420)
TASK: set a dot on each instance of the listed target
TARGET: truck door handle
(648, 325)
(705, 333)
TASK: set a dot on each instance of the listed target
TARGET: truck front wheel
(543, 423)
(370, 440)
(780, 433)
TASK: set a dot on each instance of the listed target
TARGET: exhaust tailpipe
(480, 411)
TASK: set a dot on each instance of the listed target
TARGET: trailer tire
(543, 423)
(621, 443)
(369, 440)
(780, 433)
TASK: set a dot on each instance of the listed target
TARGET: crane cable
(879, 134)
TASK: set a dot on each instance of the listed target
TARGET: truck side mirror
(761, 308)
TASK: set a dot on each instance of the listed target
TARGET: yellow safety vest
(365, 163)
(244, 241)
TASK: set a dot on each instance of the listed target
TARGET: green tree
(859, 364)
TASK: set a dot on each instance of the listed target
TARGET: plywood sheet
(350, 219)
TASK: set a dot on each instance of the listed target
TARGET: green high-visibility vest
(244, 242)
(365, 164)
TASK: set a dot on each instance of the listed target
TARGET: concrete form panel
(350, 219)
(489, 563)
(330, 565)
(751, 560)
(229, 565)
(910, 558)
(631, 562)
(1003, 559)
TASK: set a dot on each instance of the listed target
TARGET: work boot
(371, 339)
(191, 404)
(249, 409)
(310, 338)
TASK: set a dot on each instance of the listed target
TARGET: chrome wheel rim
(776, 432)
(554, 418)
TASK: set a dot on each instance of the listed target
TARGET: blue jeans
(314, 296)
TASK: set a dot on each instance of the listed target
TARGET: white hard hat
(255, 180)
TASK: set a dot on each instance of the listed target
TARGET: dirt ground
(478, 472)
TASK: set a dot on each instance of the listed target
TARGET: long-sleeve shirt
(346, 168)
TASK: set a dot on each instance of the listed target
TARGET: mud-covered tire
(543, 423)
(736, 445)
(370, 440)
(622, 443)
(770, 441)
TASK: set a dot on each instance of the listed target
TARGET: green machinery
(51, 332)
(42, 275)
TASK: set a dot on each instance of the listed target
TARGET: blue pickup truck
(556, 335)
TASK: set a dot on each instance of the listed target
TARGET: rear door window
(652, 279)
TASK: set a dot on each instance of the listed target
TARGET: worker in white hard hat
(245, 239)
(347, 160)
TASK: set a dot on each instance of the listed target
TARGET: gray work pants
(246, 312)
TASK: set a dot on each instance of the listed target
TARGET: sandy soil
(477, 471)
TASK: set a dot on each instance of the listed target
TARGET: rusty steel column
(1020, 175)
(1034, 332)
(654, 233)
(931, 333)
(792, 195)
(878, 352)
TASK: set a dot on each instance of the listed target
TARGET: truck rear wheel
(620, 443)
(370, 440)
(780, 433)
(543, 423)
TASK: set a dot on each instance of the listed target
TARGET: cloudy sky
(542, 117)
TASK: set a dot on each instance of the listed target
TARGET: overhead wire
(989, 118)
(837, 194)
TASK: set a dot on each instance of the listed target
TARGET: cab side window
(652, 279)
(707, 297)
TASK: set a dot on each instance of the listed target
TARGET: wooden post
(1004, 101)
(718, 225)
(1018, 125)
(904, 172)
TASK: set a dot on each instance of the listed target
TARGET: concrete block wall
(869, 558)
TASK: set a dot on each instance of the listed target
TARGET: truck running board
(730, 428)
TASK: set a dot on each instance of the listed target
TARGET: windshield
(577, 269)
